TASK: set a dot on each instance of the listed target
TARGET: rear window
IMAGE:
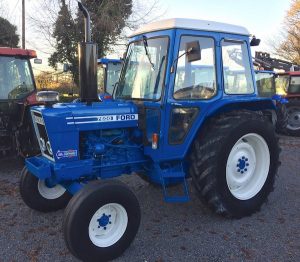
(294, 87)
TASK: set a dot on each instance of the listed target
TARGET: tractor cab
(108, 72)
(288, 84)
(17, 93)
(265, 82)
(179, 72)
(16, 77)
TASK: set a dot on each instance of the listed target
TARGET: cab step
(180, 177)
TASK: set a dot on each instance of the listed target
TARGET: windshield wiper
(147, 53)
(158, 74)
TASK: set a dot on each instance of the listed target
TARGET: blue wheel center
(104, 221)
(242, 165)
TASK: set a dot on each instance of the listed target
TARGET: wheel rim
(50, 192)
(108, 225)
(248, 166)
(293, 118)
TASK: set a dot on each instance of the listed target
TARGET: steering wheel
(15, 93)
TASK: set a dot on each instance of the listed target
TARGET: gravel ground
(168, 232)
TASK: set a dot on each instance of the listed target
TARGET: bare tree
(288, 47)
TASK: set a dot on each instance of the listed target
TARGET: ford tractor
(175, 115)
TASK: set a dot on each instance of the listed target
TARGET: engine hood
(106, 115)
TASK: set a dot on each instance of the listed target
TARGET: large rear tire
(293, 111)
(282, 118)
(38, 196)
(234, 162)
(101, 221)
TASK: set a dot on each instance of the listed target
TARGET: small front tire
(38, 196)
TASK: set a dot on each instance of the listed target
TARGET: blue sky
(263, 18)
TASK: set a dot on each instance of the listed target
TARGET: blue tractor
(164, 124)
(108, 73)
(265, 82)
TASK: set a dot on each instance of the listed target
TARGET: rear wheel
(37, 195)
(282, 118)
(293, 111)
(101, 221)
(234, 162)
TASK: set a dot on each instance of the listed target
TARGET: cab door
(193, 87)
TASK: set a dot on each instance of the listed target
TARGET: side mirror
(193, 51)
(254, 41)
(37, 61)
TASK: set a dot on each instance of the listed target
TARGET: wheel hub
(242, 165)
(108, 225)
(104, 221)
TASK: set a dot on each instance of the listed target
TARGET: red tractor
(17, 94)
(287, 85)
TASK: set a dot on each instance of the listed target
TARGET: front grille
(41, 133)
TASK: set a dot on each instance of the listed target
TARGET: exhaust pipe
(88, 53)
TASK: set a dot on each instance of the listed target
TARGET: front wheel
(101, 221)
(38, 196)
(234, 163)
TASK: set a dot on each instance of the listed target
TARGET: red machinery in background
(17, 94)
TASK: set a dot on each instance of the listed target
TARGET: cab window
(236, 68)
(197, 79)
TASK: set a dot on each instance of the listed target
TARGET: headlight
(49, 148)
(42, 143)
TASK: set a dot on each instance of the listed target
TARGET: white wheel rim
(248, 166)
(50, 192)
(108, 225)
(293, 118)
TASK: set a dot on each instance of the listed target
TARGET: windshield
(144, 70)
(282, 83)
(16, 80)
(265, 84)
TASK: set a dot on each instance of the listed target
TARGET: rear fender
(262, 105)
(257, 105)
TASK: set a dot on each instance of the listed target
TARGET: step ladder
(180, 176)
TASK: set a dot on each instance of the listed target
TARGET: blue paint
(104, 221)
(109, 60)
(242, 165)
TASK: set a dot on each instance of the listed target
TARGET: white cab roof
(184, 23)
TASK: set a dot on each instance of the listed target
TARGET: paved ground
(168, 232)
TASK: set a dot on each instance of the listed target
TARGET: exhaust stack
(88, 53)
